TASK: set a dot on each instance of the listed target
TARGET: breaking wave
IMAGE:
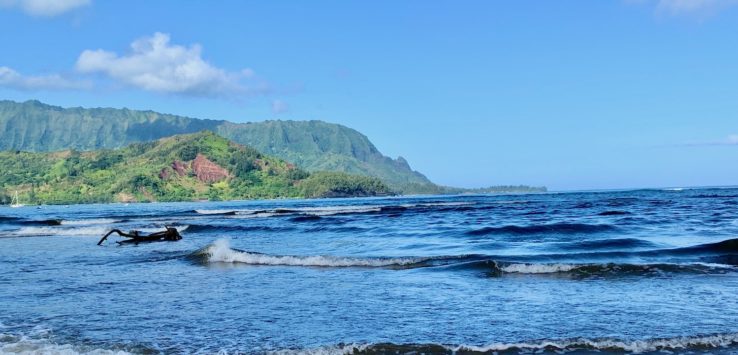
(495, 268)
(221, 252)
(17, 344)
(88, 222)
(725, 342)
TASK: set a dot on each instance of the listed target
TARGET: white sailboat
(15, 203)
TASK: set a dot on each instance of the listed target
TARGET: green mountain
(178, 168)
(312, 145)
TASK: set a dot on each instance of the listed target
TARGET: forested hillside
(179, 168)
(311, 145)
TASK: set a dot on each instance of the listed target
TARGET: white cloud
(44, 7)
(10, 78)
(733, 139)
(279, 106)
(156, 65)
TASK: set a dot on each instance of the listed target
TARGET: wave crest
(221, 252)
(554, 228)
(14, 344)
(726, 341)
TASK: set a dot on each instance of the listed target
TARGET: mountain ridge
(313, 145)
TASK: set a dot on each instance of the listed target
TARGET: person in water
(170, 234)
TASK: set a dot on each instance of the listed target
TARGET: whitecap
(538, 268)
(13, 344)
(87, 222)
(682, 343)
(221, 252)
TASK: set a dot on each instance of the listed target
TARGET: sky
(575, 94)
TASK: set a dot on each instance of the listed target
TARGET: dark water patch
(621, 201)
(42, 222)
(613, 213)
(214, 213)
(393, 209)
(661, 202)
(554, 228)
(714, 196)
(337, 229)
(584, 205)
(456, 209)
(725, 343)
(215, 228)
(620, 243)
(17, 221)
(308, 218)
(532, 213)
(729, 246)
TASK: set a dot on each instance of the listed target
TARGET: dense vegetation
(333, 184)
(311, 145)
(179, 168)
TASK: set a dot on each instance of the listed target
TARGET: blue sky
(568, 94)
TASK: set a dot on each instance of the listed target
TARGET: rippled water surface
(634, 271)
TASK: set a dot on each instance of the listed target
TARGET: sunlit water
(638, 271)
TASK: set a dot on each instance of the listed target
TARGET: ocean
(643, 271)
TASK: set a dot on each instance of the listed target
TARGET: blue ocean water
(645, 271)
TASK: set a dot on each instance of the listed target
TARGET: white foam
(87, 222)
(333, 210)
(11, 344)
(221, 252)
(538, 268)
(438, 204)
(591, 345)
(44, 231)
(254, 214)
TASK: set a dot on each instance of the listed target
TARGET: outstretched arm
(122, 234)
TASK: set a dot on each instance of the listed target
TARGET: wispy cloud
(154, 64)
(12, 79)
(45, 8)
(699, 8)
(279, 106)
(731, 139)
